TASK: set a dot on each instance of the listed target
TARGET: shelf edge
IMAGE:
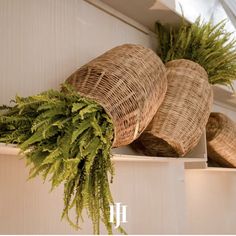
(12, 150)
(113, 12)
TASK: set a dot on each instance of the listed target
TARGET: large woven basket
(182, 117)
(221, 139)
(129, 81)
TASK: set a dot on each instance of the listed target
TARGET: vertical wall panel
(43, 42)
(153, 192)
(39, 45)
(210, 204)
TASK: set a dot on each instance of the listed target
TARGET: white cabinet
(153, 192)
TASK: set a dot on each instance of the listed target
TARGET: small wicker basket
(130, 82)
(182, 117)
(221, 139)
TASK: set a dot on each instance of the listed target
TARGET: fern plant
(68, 138)
(207, 44)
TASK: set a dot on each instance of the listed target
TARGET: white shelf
(147, 12)
(140, 12)
(220, 169)
(119, 154)
(195, 159)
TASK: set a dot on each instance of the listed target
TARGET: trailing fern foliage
(207, 44)
(67, 138)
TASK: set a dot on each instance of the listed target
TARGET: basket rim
(183, 60)
(222, 120)
(177, 147)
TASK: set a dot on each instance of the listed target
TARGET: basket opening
(212, 127)
(156, 146)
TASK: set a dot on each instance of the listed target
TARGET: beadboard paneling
(153, 192)
(43, 42)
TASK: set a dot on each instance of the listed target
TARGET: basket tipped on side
(129, 81)
(179, 122)
(221, 139)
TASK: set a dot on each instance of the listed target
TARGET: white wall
(229, 112)
(153, 192)
(211, 206)
(210, 196)
(43, 42)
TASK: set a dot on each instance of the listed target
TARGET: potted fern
(209, 45)
(196, 56)
(68, 134)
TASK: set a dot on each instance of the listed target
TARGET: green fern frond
(205, 43)
(68, 139)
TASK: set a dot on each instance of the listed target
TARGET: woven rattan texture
(182, 117)
(221, 139)
(130, 82)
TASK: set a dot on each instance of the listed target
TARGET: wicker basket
(221, 139)
(182, 117)
(129, 81)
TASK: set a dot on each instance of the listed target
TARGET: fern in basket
(207, 44)
(68, 138)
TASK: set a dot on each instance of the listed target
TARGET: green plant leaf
(69, 138)
(205, 43)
